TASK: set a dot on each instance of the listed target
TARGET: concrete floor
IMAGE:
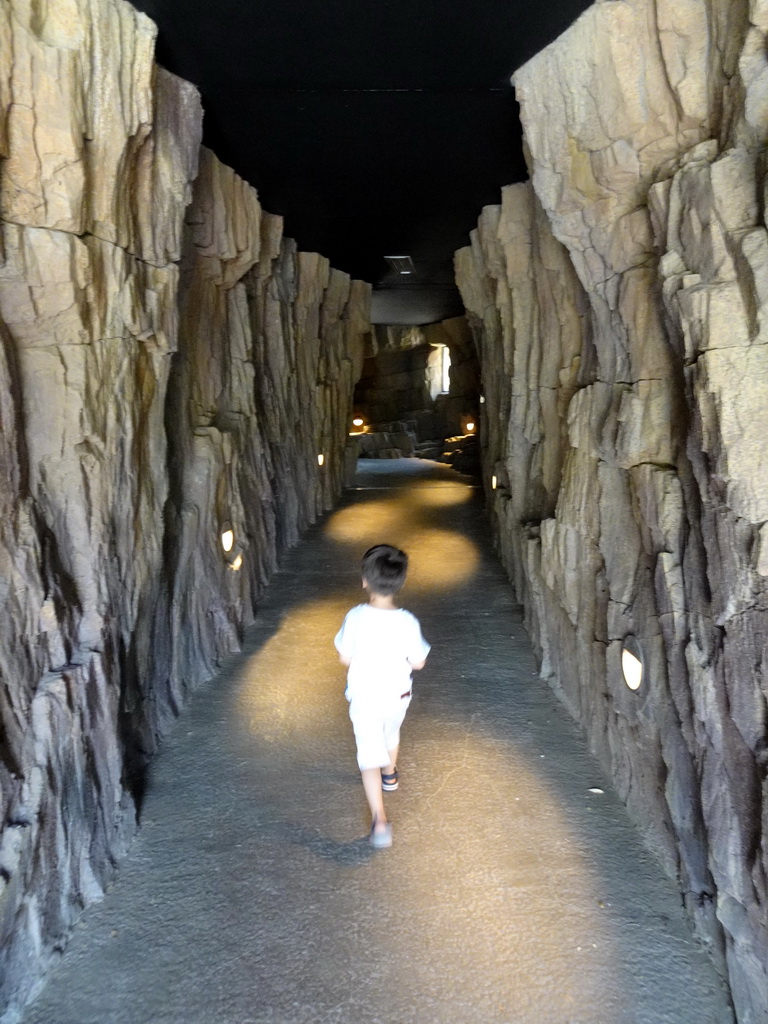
(511, 894)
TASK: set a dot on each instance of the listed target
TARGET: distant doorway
(418, 395)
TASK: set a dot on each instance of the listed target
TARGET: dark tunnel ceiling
(375, 128)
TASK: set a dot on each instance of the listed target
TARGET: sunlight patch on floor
(440, 495)
(368, 524)
(438, 557)
(289, 687)
(503, 844)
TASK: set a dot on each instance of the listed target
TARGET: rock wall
(619, 304)
(170, 366)
(395, 384)
(402, 377)
(462, 400)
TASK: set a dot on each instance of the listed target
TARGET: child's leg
(371, 753)
(372, 785)
(392, 734)
(392, 754)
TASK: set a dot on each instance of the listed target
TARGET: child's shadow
(353, 853)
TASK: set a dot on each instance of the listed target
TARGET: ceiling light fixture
(401, 264)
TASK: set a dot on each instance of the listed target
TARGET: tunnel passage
(175, 369)
(419, 395)
(516, 888)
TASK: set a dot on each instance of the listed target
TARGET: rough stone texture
(394, 383)
(401, 378)
(168, 364)
(251, 891)
(395, 440)
(462, 399)
(618, 305)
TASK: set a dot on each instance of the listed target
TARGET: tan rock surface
(169, 364)
(92, 121)
(645, 395)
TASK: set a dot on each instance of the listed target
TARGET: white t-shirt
(381, 644)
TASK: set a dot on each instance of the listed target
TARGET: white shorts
(377, 731)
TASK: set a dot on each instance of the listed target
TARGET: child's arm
(343, 642)
(418, 647)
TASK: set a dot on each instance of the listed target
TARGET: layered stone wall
(394, 384)
(619, 304)
(462, 399)
(170, 366)
(402, 377)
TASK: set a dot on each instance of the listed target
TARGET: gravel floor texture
(514, 893)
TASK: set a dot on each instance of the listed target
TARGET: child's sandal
(382, 839)
(389, 781)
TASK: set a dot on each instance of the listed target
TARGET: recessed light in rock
(631, 667)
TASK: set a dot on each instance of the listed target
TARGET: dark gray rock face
(394, 383)
(461, 403)
(618, 302)
(171, 369)
(404, 389)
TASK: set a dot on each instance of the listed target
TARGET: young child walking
(381, 644)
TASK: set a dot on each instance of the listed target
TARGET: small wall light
(482, 399)
(358, 421)
(631, 663)
(227, 538)
(494, 482)
(320, 460)
(237, 563)
(470, 426)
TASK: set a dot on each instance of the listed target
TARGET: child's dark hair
(385, 569)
